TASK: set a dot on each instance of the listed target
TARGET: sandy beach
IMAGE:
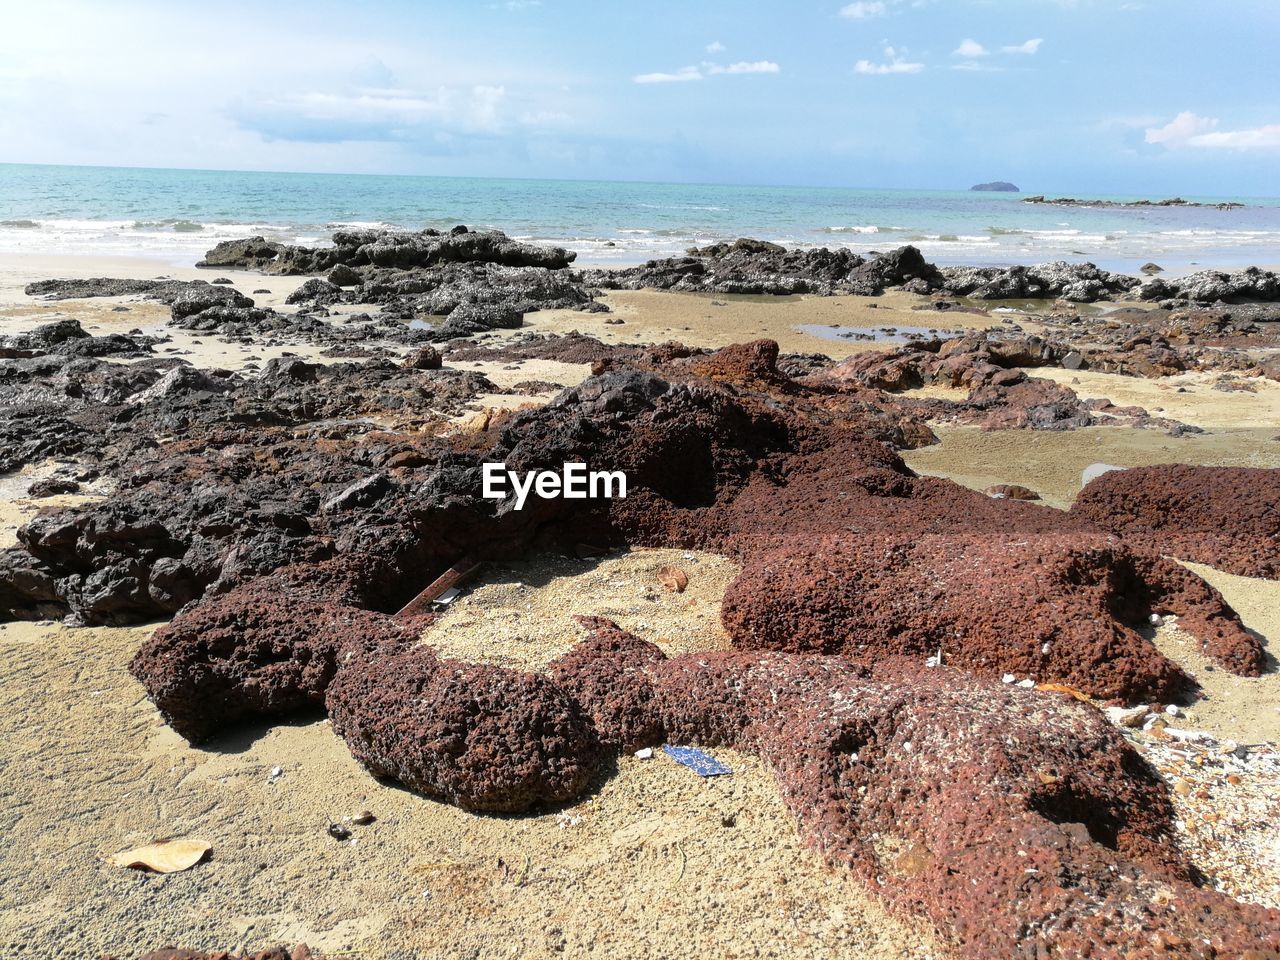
(651, 860)
(518, 480)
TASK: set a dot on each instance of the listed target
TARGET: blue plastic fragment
(703, 764)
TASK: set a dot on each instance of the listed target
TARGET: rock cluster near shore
(758, 267)
(435, 287)
(1135, 204)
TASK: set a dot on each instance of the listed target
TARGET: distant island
(996, 186)
(1173, 202)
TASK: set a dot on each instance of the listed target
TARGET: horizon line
(1101, 194)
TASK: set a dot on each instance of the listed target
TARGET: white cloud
(708, 69)
(970, 48)
(977, 66)
(679, 76)
(895, 62)
(1258, 138)
(715, 46)
(758, 66)
(1030, 47)
(863, 10)
(883, 69)
(479, 108)
(1189, 130)
(1181, 129)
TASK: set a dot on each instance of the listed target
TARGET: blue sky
(1083, 96)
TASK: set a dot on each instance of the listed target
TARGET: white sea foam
(871, 228)
(178, 239)
(170, 238)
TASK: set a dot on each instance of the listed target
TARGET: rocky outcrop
(759, 267)
(1213, 286)
(1050, 607)
(1078, 282)
(1130, 204)
(1010, 819)
(745, 266)
(66, 338)
(1227, 517)
(245, 655)
(251, 253)
(1016, 821)
(184, 297)
(399, 250)
(1002, 394)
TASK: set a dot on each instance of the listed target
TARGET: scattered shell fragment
(1128, 717)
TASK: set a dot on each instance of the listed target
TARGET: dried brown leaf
(674, 579)
(164, 856)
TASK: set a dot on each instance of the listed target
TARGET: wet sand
(702, 320)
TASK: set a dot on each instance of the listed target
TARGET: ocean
(176, 215)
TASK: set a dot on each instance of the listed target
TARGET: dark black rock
(52, 487)
(1211, 286)
(253, 253)
(1079, 282)
(344, 276)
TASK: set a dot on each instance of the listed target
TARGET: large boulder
(480, 737)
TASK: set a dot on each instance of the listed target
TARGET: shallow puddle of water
(899, 333)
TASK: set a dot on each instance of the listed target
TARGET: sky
(1060, 96)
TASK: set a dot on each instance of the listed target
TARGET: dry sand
(1231, 707)
(496, 621)
(105, 315)
(655, 862)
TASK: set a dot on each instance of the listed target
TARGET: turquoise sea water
(177, 214)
